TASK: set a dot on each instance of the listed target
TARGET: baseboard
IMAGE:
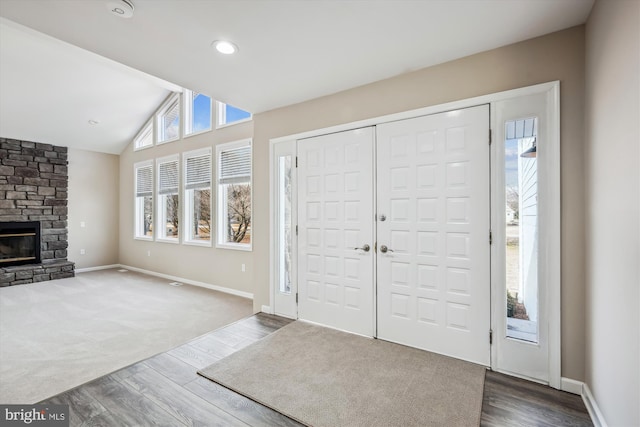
(266, 309)
(571, 386)
(592, 407)
(190, 282)
(100, 267)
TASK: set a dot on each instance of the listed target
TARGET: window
(168, 199)
(228, 114)
(197, 112)
(168, 125)
(144, 139)
(284, 231)
(143, 175)
(197, 194)
(521, 228)
(234, 195)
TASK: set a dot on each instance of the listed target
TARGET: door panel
(335, 217)
(433, 193)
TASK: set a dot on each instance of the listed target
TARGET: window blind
(168, 177)
(169, 121)
(524, 128)
(145, 138)
(235, 165)
(198, 172)
(144, 181)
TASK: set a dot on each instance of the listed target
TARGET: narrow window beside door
(521, 195)
(284, 224)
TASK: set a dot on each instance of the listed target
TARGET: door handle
(384, 249)
(364, 247)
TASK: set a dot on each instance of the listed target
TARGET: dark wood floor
(165, 390)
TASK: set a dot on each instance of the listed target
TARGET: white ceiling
(50, 90)
(290, 50)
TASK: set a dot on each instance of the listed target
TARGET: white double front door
(416, 194)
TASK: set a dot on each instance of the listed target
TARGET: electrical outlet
(244, 268)
(82, 224)
(81, 251)
(148, 253)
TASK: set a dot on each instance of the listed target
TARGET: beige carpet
(322, 377)
(57, 335)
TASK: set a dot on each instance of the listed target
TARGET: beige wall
(558, 56)
(93, 199)
(220, 267)
(613, 209)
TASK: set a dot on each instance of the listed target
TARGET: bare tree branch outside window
(239, 213)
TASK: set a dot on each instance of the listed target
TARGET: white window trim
(187, 113)
(164, 108)
(220, 116)
(136, 218)
(147, 125)
(158, 200)
(185, 238)
(219, 217)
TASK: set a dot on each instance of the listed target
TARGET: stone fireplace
(33, 212)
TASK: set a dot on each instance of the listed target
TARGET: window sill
(168, 141)
(166, 240)
(196, 133)
(235, 246)
(145, 239)
(237, 122)
(195, 243)
(146, 147)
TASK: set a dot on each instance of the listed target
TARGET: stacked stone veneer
(33, 187)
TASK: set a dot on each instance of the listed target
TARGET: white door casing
(433, 189)
(549, 159)
(335, 217)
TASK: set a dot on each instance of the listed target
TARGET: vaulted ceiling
(65, 62)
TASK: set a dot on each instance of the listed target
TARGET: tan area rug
(59, 334)
(322, 377)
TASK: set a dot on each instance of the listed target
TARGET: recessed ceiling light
(225, 47)
(94, 122)
(121, 8)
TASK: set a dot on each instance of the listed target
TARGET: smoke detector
(121, 8)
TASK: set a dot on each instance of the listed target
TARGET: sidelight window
(521, 195)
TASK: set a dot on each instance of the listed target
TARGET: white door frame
(552, 259)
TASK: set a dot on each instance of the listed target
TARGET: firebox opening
(19, 243)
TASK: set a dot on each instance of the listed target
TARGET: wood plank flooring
(165, 390)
